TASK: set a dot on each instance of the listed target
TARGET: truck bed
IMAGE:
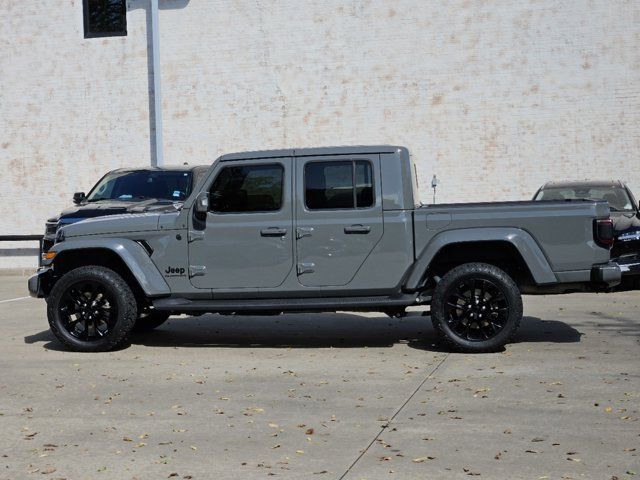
(562, 229)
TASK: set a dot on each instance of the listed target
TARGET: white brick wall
(495, 97)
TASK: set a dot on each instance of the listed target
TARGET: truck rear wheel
(91, 309)
(476, 307)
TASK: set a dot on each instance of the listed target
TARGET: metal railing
(20, 238)
(25, 238)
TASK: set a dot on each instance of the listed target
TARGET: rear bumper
(608, 274)
(37, 283)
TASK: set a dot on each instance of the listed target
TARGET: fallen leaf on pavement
(422, 459)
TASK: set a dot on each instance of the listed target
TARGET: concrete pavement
(324, 396)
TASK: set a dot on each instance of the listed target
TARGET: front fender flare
(131, 253)
(520, 239)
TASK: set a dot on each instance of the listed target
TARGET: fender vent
(146, 246)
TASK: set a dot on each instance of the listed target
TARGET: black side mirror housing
(78, 197)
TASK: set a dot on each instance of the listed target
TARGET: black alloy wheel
(476, 307)
(91, 309)
(88, 310)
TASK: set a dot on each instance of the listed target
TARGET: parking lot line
(13, 299)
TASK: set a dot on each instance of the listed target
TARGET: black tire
(91, 309)
(476, 307)
(150, 320)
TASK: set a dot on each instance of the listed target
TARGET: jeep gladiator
(321, 229)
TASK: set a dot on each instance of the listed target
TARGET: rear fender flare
(525, 244)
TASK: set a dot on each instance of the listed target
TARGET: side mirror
(202, 203)
(78, 197)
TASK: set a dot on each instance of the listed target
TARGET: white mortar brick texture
(494, 97)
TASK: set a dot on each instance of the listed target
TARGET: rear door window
(338, 185)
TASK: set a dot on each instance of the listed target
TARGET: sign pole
(157, 97)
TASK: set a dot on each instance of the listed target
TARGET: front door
(246, 239)
(338, 217)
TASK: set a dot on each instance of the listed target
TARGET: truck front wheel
(91, 309)
(476, 307)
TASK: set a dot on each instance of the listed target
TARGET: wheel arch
(497, 246)
(127, 257)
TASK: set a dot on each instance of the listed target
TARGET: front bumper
(38, 283)
(609, 274)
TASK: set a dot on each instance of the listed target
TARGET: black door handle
(273, 232)
(357, 229)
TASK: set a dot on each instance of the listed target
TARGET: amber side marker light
(48, 255)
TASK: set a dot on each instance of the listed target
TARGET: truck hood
(113, 207)
(126, 223)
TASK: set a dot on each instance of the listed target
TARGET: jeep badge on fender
(174, 272)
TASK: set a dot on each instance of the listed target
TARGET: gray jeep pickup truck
(321, 229)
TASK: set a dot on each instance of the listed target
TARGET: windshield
(171, 185)
(617, 197)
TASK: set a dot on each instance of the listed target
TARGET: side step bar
(284, 304)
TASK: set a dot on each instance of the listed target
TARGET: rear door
(338, 217)
(246, 241)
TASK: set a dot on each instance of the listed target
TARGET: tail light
(603, 232)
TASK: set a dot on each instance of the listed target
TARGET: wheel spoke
(88, 310)
(94, 292)
(477, 308)
(498, 298)
(461, 298)
(477, 287)
(75, 297)
(467, 330)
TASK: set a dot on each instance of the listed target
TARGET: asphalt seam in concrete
(397, 412)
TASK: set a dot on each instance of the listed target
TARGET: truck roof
(313, 151)
(583, 183)
(179, 168)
